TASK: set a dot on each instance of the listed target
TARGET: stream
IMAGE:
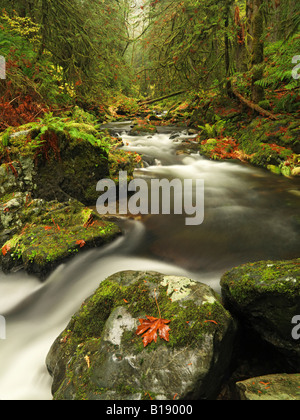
(250, 214)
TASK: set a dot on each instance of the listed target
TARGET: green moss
(189, 322)
(247, 282)
(54, 234)
(121, 160)
(7, 197)
(143, 128)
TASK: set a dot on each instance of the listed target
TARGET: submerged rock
(265, 296)
(99, 356)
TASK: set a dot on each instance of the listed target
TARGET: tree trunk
(227, 52)
(257, 50)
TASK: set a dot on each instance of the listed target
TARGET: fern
(278, 66)
(213, 130)
(71, 129)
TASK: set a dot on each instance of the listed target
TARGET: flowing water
(250, 215)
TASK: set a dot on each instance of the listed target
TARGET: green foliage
(74, 130)
(184, 44)
(212, 131)
(66, 49)
(266, 155)
(278, 68)
(6, 137)
(27, 73)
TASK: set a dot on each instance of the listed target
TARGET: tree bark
(227, 53)
(152, 101)
(254, 106)
(258, 93)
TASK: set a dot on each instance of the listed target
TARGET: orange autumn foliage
(149, 328)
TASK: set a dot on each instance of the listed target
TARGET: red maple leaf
(149, 328)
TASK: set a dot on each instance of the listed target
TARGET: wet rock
(279, 387)
(74, 175)
(175, 136)
(265, 296)
(100, 357)
(60, 164)
(42, 235)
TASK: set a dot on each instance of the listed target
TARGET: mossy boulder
(67, 159)
(17, 175)
(40, 235)
(99, 356)
(266, 297)
(278, 387)
(142, 127)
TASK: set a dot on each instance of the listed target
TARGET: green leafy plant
(214, 130)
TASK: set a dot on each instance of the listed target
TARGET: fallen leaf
(5, 249)
(47, 227)
(149, 328)
(81, 243)
(212, 321)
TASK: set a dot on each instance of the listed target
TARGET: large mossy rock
(266, 297)
(99, 356)
(278, 387)
(58, 161)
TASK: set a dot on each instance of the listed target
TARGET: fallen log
(152, 101)
(253, 106)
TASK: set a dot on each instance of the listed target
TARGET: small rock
(278, 387)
